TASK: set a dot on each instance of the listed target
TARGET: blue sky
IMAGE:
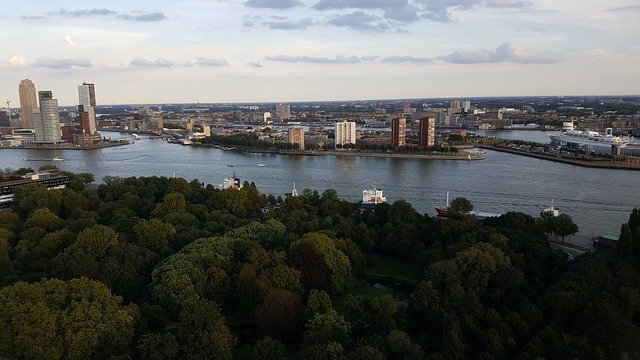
(294, 50)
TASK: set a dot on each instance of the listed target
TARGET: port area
(71, 146)
(542, 151)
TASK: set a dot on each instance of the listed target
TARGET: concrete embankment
(619, 165)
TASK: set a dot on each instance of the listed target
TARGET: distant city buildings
(283, 112)
(296, 136)
(427, 132)
(266, 117)
(46, 122)
(345, 133)
(398, 131)
(28, 103)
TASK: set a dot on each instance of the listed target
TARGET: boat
(44, 159)
(553, 210)
(589, 140)
(371, 198)
(232, 182)
(136, 136)
(293, 192)
(261, 165)
(444, 212)
(230, 165)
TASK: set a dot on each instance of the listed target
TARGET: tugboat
(231, 183)
(371, 198)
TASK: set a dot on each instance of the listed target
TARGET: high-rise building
(283, 111)
(47, 125)
(296, 136)
(345, 133)
(427, 133)
(28, 103)
(398, 131)
(266, 117)
(87, 113)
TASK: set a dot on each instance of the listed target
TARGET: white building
(266, 117)
(345, 133)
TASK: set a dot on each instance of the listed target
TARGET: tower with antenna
(9, 111)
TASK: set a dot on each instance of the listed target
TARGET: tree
(154, 235)
(203, 334)
(280, 315)
(460, 205)
(565, 226)
(318, 302)
(325, 328)
(269, 349)
(54, 319)
(625, 242)
(158, 347)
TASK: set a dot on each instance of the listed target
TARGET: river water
(599, 200)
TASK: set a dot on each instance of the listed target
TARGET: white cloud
(201, 61)
(322, 60)
(507, 52)
(69, 41)
(17, 61)
(255, 64)
(61, 63)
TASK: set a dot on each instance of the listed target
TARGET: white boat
(589, 140)
(553, 210)
(136, 136)
(261, 165)
(231, 183)
(371, 198)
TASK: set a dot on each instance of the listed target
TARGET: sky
(215, 51)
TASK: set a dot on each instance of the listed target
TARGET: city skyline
(288, 51)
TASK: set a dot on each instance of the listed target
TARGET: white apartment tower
(345, 133)
(87, 104)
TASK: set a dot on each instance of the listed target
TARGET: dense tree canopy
(158, 268)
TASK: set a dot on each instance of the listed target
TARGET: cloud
(359, 20)
(287, 24)
(322, 60)
(69, 41)
(405, 59)
(272, 4)
(143, 17)
(18, 61)
(140, 16)
(201, 61)
(404, 14)
(507, 52)
(60, 63)
(159, 62)
(38, 17)
(439, 10)
(255, 64)
(359, 4)
(625, 8)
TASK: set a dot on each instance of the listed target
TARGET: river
(599, 200)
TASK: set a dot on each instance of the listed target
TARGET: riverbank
(100, 145)
(616, 165)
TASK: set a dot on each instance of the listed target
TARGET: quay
(616, 165)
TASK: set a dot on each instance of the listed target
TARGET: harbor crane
(9, 109)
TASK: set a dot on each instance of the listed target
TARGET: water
(599, 200)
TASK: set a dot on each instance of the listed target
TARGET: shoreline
(589, 164)
(67, 147)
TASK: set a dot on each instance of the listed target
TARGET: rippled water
(599, 200)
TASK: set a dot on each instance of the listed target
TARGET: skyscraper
(28, 103)
(398, 131)
(47, 125)
(427, 133)
(87, 108)
(345, 133)
(296, 136)
(283, 111)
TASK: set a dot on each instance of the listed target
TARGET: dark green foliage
(206, 275)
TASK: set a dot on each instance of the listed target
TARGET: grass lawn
(369, 292)
(382, 268)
